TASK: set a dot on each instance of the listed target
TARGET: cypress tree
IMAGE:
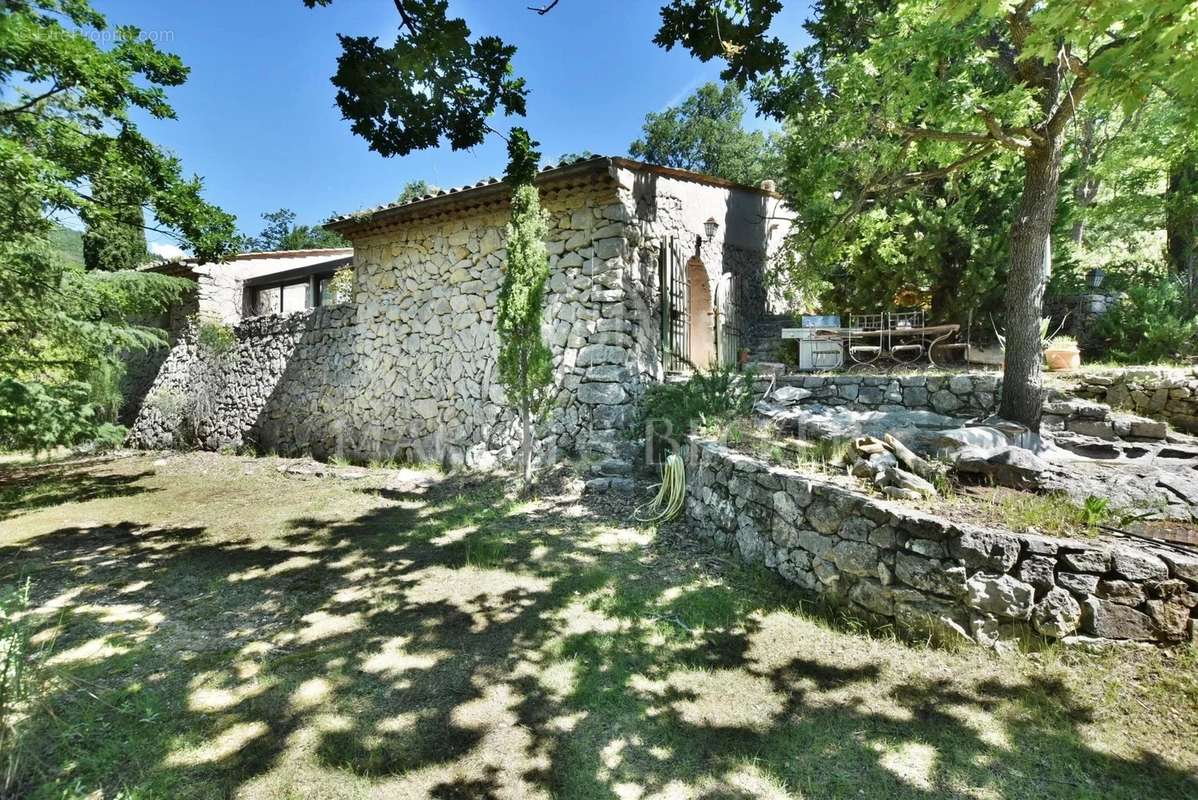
(525, 362)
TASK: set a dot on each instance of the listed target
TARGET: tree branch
(405, 19)
(1003, 137)
(922, 176)
(35, 100)
(944, 136)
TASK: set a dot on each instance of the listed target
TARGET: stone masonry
(1171, 394)
(408, 368)
(925, 574)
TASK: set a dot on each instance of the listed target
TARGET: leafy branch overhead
(69, 145)
(433, 82)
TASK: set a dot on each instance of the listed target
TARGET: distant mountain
(67, 243)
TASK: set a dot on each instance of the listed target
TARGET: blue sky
(258, 121)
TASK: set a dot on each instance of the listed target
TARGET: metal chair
(906, 352)
(865, 351)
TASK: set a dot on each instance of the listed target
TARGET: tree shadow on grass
(24, 489)
(450, 643)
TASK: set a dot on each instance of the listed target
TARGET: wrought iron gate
(727, 319)
(675, 300)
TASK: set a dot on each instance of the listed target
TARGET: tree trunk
(1181, 223)
(526, 443)
(1031, 262)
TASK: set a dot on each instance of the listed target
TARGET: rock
(1114, 621)
(954, 439)
(1057, 614)
(1014, 467)
(873, 597)
(1097, 560)
(1181, 565)
(856, 558)
(1143, 428)
(1001, 595)
(910, 482)
(1099, 429)
(1124, 593)
(1039, 571)
(989, 551)
(1170, 620)
(945, 402)
(929, 575)
(919, 615)
(1185, 488)
(824, 517)
(1079, 585)
(601, 394)
(1136, 565)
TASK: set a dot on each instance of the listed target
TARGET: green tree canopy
(414, 190)
(525, 362)
(281, 233)
(115, 237)
(66, 126)
(705, 133)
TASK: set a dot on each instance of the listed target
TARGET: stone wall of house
(663, 210)
(964, 394)
(1170, 394)
(925, 574)
(411, 363)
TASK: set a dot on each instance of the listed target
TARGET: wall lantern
(1095, 278)
(710, 227)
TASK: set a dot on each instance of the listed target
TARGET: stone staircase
(765, 335)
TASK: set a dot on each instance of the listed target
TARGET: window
(267, 301)
(295, 297)
(292, 295)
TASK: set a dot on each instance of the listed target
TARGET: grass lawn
(223, 630)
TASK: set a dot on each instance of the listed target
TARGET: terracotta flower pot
(1063, 358)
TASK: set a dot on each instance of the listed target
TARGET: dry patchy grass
(227, 631)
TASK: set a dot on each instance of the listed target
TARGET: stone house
(252, 284)
(652, 270)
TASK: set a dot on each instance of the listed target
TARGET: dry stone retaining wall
(922, 573)
(964, 394)
(1171, 394)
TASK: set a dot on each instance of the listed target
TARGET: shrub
(674, 410)
(1151, 324)
(341, 287)
(37, 417)
(214, 337)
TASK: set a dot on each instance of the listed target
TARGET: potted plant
(1061, 353)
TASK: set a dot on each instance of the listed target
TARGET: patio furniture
(893, 340)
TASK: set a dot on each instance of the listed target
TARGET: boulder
(1010, 466)
(1001, 595)
(895, 477)
(1113, 621)
(1057, 614)
(1136, 565)
(983, 437)
(789, 395)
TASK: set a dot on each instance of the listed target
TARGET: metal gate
(727, 319)
(675, 302)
